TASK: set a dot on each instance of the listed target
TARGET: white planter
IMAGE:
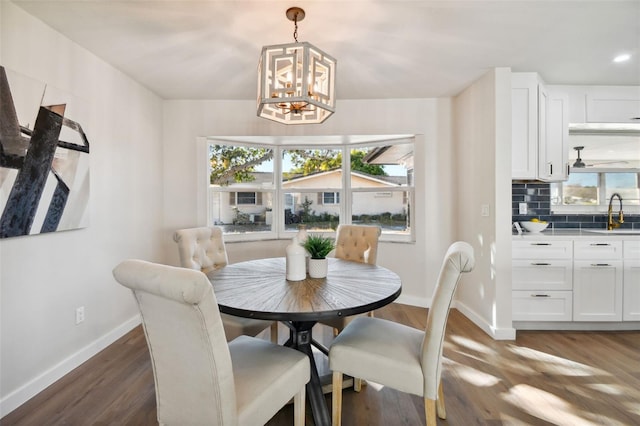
(318, 268)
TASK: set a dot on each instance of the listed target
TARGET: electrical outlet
(522, 208)
(79, 315)
(484, 210)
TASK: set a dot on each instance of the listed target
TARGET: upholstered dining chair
(203, 249)
(398, 356)
(357, 243)
(199, 377)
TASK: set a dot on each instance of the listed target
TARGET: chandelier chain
(295, 28)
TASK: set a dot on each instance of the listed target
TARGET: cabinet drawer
(632, 249)
(542, 274)
(542, 305)
(598, 250)
(543, 249)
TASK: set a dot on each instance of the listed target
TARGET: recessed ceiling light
(622, 58)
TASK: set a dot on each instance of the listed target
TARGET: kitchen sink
(615, 231)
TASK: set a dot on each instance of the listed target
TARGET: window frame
(603, 201)
(336, 198)
(255, 198)
(278, 229)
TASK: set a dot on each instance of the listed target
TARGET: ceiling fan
(579, 163)
(607, 163)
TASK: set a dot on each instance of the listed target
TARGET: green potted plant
(318, 248)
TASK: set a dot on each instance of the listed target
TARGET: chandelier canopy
(296, 81)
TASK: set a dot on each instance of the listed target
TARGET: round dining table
(258, 289)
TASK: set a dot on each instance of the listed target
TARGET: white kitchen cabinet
(597, 281)
(631, 279)
(601, 104)
(553, 150)
(613, 104)
(524, 125)
(539, 130)
(542, 280)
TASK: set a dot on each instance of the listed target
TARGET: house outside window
(259, 191)
(590, 191)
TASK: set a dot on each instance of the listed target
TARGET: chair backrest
(357, 243)
(201, 248)
(189, 353)
(459, 259)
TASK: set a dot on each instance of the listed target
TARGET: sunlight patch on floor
(633, 407)
(556, 365)
(545, 406)
(472, 344)
(375, 386)
(473, 376)
(611, 389)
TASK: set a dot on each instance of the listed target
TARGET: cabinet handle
(599, 244)
(540, 295)
(540, 244)
(568, 169)
(550, 169)
(540, 264)
(600, 264)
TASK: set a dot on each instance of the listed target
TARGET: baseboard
(40, 383)
(495, 333)
(421, 302)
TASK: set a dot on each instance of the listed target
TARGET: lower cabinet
(551, 305)
(597, 280)
(631, 278)
(597, 290)
(541, 273)
(584, 280)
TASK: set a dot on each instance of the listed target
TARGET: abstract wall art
(44, 158)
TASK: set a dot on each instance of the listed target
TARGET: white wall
(482, 117)
(143, 187)
(43, 278)
(418, 264)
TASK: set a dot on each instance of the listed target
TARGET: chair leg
(274, 333)
(430, 411)
(357, 384)
(442, 412)
(336, 399)
(299, 401)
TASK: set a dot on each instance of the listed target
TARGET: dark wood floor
(541, 378)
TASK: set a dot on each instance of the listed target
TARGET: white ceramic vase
(295, 261)
(318, 268)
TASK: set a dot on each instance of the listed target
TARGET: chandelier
(296, 81)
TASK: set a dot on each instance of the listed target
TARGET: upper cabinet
(553, 153)
(539, 129)
(615, 104)
(602, 104)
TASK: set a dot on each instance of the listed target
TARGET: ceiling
(185, 49)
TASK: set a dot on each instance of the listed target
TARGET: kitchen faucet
(611, 224)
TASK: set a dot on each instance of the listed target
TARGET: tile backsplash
(537, 195)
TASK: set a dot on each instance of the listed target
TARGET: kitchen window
(263, 191)
(590, 191)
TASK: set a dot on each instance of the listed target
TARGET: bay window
(264, 191)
